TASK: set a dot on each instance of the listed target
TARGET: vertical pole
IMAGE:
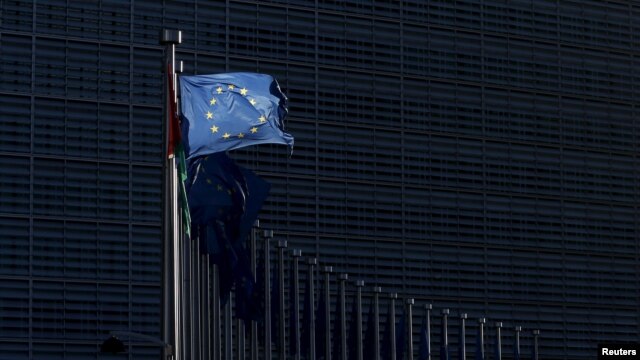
(445, 335)
(427, 311)
(463, 337)
(215, 297)
(410, 329)
(498, 341)
(481, 323)
(282, 244)
(267, 235)
(240, 339)
(376, 321)
(343, 321)
(187, 300)
(195, 295)
(536, 333)
(327, 312)
(228, 329)
(516, 345)
(254, 264)
(170, 270)
(359, 285)
(205, 302)
(296, 254)
(392, 298)
(312, 319)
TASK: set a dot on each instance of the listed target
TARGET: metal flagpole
(445, 335)
(170, 272)
(392, 314)
(205, 303)
(296, 254)
(516, 350)
(409, 329)
(498, 341)
(215, 297)
(187, 301)
(267, 235)
(427, 309)
(481, 323)
(282, 244)
(327, 311)
(312, 334)
(463, 337)
(195, 296)
(343, 321)
(536, 333)
(239, 337)
(376, 321)
(254, 261)
(228, 329)
(359, 286)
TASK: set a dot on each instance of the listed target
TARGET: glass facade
(480, 155)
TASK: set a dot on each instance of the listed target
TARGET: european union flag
(229, 111)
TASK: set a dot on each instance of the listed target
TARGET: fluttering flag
(321, 326)
(337, 333)
(370, 347)
(401, 335)
(294, 323)
(229, 111)
(305, 346)
(385, 347)
(352, 342)
(425, 347)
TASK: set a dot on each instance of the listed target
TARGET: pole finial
(268, 234)
(169, 36)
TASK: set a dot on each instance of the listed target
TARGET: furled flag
(479, 344)
(516, 347)
(305, 345)
(352, 342)
(337, 333)
(370, 347)
(321, 326)
(425, 347)
(294, 323)
(401, 335)
(275, 307)
(385, 347)
(229, 111)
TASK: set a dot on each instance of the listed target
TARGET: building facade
(483, 156)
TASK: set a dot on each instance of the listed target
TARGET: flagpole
(427, 309)
(282, 244)
(195, 295)
(215, 297)
(359, 286)
(516, 350)
(312, 334)
(409, 329)
(376, 321)
(481, 323)
(205, 302)
(463, 337)
(267, 235)
(498, 341)
(343, 321)
(170, 303)
(295, 331)
(445, 335)
(392, 314)
(327, 311)
(254, 261)
(187, 300)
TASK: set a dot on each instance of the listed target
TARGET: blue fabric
(385, 347)
(275, 307)
(401, 335)
(370, 347)
(425, 347)
(321, 326)
(352, 339)
(337, 333)
(229, 111)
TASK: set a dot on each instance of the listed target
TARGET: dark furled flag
(305, 345)
(425, 347)
(337, 333)
(516, 347)
(294, 323)
(275, 307)
(385, 347)
(462, 341)
(401, 337)
(229, 111)
(352, 339)
(479, 344)
(370, 347)
(321, 326)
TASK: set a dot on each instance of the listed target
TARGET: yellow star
(231, 87)
(262, 119)
(254, 130)
(219, 90)
(209, 115)
(212, 102)
(241, 135)
(219, 187)
(214, 129)
(243, 91)
(226, 135)
(208, 181)
(253, 102)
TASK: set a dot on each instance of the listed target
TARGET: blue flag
(229, 111)
(385, 347)
(401, 333)
(352, 342)
(370, 347)
(337, 333)
(321, 326)
(425, 347)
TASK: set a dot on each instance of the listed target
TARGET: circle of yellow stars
(213, 101)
